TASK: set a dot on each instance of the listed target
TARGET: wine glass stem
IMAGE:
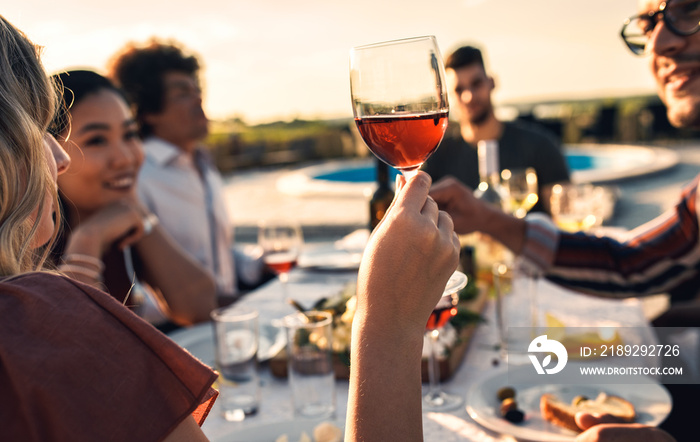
(433, 372)
(284, 279)
(534, 314)
(409, 174)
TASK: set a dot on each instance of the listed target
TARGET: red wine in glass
(399, 100)
(443, 312)
(281, 243)
(437, 399)
(403, 141)
(281, 261)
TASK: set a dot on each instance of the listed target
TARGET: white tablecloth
(306, 287)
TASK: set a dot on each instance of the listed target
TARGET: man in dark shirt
(521, 145)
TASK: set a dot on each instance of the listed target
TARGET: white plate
(269, 432)
(651, 401)
(199, 340)
(330, 258)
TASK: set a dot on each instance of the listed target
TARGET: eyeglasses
(681, 17)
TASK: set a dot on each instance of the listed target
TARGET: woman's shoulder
(44, 284)
(97, 349)
(39, 282)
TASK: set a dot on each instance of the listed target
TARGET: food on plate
(505, 393)
(508, 408)
(323, 432)
(515, 416)
(327, 432)
(507, 405)
(563, 414)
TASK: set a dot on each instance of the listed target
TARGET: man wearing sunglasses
(662, 255)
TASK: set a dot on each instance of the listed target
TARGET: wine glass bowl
(521, 185)
(399, 100)
(281, 244)
(437, 399)
(573, 207)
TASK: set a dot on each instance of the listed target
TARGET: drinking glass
(437, 399)
(502, 286)
(236, 340)
(572, 206)
(522, 188)
(515, 308)
(310, 363)
(399, 100)
(281, 243)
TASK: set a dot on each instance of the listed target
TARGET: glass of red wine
(437, 399)
(399, 100)
(281, 243)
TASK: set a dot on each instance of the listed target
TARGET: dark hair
(140, 72)
(76, 85)
(464, 56)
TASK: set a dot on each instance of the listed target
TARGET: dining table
(327, 272)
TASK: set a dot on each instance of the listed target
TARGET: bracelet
(82, 271)
(85, 259)
(149, 222)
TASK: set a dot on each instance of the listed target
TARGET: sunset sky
(280, 59)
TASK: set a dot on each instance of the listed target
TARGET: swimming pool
(366, 173)
(588, 164)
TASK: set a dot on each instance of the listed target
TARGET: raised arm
(407, 263)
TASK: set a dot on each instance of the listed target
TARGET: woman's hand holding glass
(409, 258)
(406, 265)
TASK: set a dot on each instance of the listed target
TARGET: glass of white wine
(522, 188)
(572, 207)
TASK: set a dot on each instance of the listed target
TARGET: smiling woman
(111, 240)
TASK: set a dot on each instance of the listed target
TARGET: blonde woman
(74, 363)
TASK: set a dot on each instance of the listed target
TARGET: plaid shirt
(657, 257)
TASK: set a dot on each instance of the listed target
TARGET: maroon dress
(76, 365)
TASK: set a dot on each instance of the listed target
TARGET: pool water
(365, 174)
(587, 162)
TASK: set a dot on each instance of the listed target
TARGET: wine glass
(522, 188)
(521, 274)
(399, 100)
(281, 243)
(437, 399)
(502, 286)
(572, 207)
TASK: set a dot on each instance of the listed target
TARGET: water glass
(236, 339)
(310, 364)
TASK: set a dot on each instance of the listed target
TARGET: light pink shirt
(188, 204)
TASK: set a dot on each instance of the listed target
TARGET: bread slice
(563, 414)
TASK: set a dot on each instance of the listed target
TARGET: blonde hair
(28, 102)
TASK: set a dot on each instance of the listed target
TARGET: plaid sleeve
(541, 241)
(658, 256)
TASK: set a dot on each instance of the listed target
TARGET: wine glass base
(441, 401)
